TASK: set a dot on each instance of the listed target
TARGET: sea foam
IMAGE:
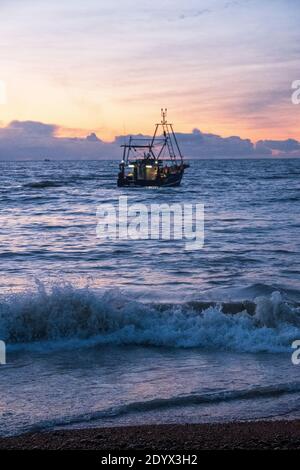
(70, 317)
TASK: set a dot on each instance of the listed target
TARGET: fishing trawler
(155, 161)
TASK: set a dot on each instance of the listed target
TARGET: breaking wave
(70, 318)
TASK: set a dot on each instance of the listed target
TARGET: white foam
(70, 318)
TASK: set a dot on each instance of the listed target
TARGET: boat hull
(169, 181)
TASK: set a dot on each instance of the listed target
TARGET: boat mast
(168, 140)
(169, 135)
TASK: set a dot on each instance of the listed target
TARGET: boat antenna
(164, 113)
(124, 135)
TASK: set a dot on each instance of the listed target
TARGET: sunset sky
(108, 67)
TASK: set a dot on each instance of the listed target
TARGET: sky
(222, 66)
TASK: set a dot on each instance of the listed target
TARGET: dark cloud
(287, 147)
(262, 150)
(32, 128)
(200, 145)
(36, 140)
(93, 138)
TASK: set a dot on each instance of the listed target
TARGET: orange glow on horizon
(108, 135)
(212, 127)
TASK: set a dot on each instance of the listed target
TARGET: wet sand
(245, 435)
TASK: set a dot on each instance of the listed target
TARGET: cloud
(24, 140)
(32, 128)
(193, 14)
(200, 145)
(288, 147)
(93, 138)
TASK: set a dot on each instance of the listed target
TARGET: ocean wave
(75, 179)
(68, 317)
(43, 184)
(208, 397)
(158, 404)
(251, 292)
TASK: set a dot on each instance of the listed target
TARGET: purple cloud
(24, 140)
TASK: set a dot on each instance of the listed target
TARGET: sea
(111, 332)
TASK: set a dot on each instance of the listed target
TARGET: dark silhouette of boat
(155, 161)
